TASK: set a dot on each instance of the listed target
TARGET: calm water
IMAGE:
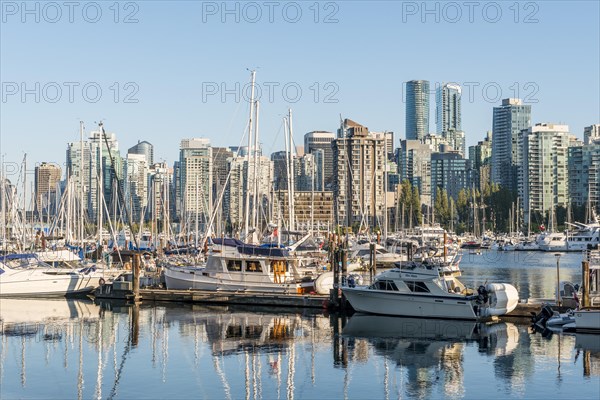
(77, 349)
(532, 273)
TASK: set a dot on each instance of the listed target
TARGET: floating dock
(258, 299)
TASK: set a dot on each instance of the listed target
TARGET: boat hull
(410, 304)
(587, 320)
(55, 286)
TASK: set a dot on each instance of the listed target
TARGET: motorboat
(587, 320)
(384, 259)
(233, 265)
(527, 245)
(555, 241)
(26, 275)
(586, 236)
(431, 290)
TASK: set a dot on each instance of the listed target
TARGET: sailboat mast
(247, 205)
(100, 185)
(81, 160)
(256, 170)
(291, 187)
(385, 179)
(24, 199)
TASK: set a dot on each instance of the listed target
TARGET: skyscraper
(358, 167)
(591, 134)
(321, 140)
(480, 157)
(414, 164)
(509, 119)
(144, 148)
(195, 162)
(135, 184)
(449, 171)
(47, 177)
(544, 183)
(82, 160)
(417, 109)
(447, 111)
(108, 153)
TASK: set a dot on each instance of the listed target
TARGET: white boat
(555, 241)
(587, 320)
(585, 237)
(431, 291)
(527, 245)
(560, 319)
(233, 265)
(25, 275)
(360, 254)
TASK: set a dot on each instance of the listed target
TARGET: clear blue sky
(177, 51)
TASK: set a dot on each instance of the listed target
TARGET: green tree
(416, 206)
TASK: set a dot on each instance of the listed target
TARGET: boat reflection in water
(431, 350)
(78, 349)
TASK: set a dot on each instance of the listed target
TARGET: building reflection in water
(231, 353)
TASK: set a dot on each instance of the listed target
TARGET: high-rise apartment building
(47, 177)
(508, 120)
(108, 154)
(591, 134)
(448, 108)
(144, 148)
(358, 166)
(584, 169)
(82, 160)
(449, 171)
(480, 157)
(417, 109)
(135, 185)
(195, 178)
(414, 164)
(321, 140)
(544, 183)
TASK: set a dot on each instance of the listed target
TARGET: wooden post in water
(372, 261)
(344, 259)
(136, 276)
(135, 324)
(585, 274)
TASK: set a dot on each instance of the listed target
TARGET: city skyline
(178, 97)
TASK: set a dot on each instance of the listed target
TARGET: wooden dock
(241, 298)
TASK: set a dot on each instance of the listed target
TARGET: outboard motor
(545, 313)
(483, 295)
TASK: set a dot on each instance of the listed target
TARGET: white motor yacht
(25, 275)
(431, 290)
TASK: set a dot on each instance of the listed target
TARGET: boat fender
(101, 282)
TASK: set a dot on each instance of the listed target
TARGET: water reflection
(78, 349)
(532, 273)
(431, 351)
